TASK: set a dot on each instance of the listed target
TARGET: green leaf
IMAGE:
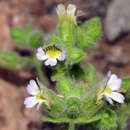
(91, 77)
(64, 86)
(88, 119)
(108, 120)
(76, 55)
(56, 75)
(18, 35)
(55, 103)
(12, 60)
(67, 120)
(35, 40)
(89, 33)
(56, 120)
(73, 107)
(77, 71)
(27, 37)
(54, 40)
(79, 90)
(126, 83)
(123, 116)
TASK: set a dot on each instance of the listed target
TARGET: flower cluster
(112, 85)
(51, 54)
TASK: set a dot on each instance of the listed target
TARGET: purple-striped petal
(30, 102)
(41, 54)
(51, 62)
(32, 88)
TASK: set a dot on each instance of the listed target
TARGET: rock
(117, 19)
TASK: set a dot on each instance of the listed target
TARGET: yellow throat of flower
(107, 91)
(53, 52)
(39, 97)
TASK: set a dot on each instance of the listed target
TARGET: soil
(41, 14)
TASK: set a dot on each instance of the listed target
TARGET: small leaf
(126, 83)
(35, 40)
(89, 33)
(64, 86)
(12, 60)
(73, 107)
(108, 120)
(55, 103)
(18, 35)
(56, 75)
(123, 116)
(76, 55)
(27, 37)
(56, 120)
(77, 71)
(55, 40)
(88, 119)
(91, 77)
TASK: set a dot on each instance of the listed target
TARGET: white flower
(51, 54)
(112, 85)
(36, 95)
(66, 14)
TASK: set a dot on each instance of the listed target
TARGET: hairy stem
(71, 125)
(38, 66)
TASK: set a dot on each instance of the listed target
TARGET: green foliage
(57, 74)
(76, 55)
(91, 77)
(56, 105)
(27, 37)
(88, 119)
(73, 105)
(54, 40)
(89, 103)
(18, 35)
(66, 32)
(58, 71)
(107, 121)
(56, 120)
(123, 116)
(74, 100)
(13, 60)
(77, 120)
(64, 86)
(126, 83)
(89, 33)
(77, 71)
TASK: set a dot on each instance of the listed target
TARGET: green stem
(71, 125)
(38, 66)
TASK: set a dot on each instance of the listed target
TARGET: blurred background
(112, 51)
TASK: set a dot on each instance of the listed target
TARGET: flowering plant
(78, 97)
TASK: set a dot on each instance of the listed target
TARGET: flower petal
(60, 9)
(107, 78)
(114, 83)
(71, 10)
(30, 102)
(51, 62)
(40, 54)
(109, 99)
(38, 106)
(117, 97)
(32, 87)
(63, 55)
